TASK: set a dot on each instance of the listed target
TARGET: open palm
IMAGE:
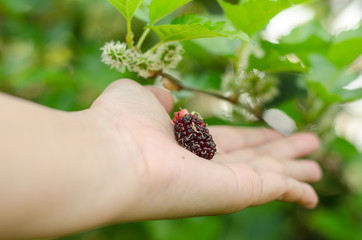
(163, 180)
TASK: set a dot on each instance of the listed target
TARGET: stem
(143, 37)
(257, 112)
(129, 34)
(242, 60)
(230, 99)
(156, 46)
(207, 93)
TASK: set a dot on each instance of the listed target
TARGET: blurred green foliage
(49, 53)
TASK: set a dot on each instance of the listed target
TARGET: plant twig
(242, 60)
(129, 34)
(142, 38)
(180, 86)
(156, 46)
(257, 111)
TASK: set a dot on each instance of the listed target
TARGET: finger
(233, 138)
(302, 170)
(293, 146)
(165, 97)
(277, 187)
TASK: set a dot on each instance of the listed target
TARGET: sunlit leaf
(346, 47)
(302, 33)
(329, 81)
(219, 46)
(193, 27)
(272, 61)
(161, 8)
(126, 7)
(298, 1)
(143, 11)
(302, 41)
(252, 15)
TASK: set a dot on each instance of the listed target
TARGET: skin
(63, 172)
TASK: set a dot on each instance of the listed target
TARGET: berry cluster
(117, 55)
(250, 89)
(191, 133)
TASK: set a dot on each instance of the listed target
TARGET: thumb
(163, 96)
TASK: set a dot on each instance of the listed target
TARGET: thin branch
(156, 46)
(174, 80)
(143, 37)
(129, 34)
(257, 111)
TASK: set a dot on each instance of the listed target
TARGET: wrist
(110, 150)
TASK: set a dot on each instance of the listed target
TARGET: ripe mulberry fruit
(191, 133)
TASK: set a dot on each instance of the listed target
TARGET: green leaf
(192, 27)
(219, 46)
(320, 90)
(306, 31)
(302, 41)
(311, 38)
(126, 7)
(346, 47)
(329, 82)
(143, 11)
(161, 8)
(298, 1)
(272, 61)
(346, 150)
(252, 15)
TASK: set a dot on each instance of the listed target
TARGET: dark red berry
(179, 114)
(191, 133)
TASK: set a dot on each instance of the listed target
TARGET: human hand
(152, 177)
(119, 161)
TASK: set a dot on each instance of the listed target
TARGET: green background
(49, 53)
